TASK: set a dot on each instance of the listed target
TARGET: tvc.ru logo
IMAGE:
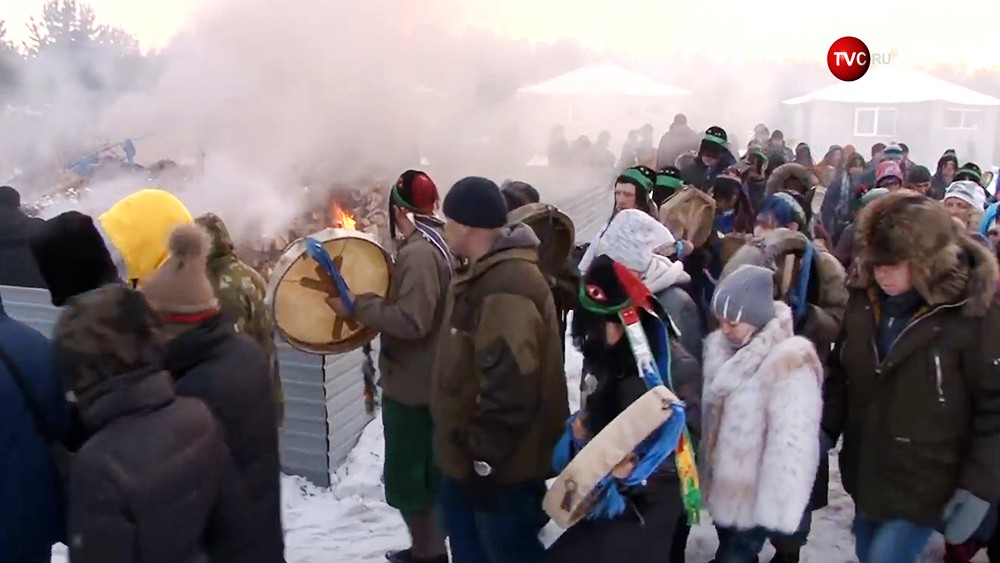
(849, 58)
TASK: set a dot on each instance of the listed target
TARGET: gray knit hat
(746, 296)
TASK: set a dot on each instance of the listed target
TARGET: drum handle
(317, 252)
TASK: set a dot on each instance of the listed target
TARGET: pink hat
(888, 169)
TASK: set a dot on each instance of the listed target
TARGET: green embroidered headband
(588, 303)
(714, 139)
(398, 200)
(633, 174)
(665, 181)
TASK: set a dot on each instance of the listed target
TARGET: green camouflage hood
(222, 243)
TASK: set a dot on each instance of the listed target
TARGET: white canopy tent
(601, 97)
(603, 80)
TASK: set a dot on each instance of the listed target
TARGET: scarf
(672, 438)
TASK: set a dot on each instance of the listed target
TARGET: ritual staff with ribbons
(634, 415)
(408, 320)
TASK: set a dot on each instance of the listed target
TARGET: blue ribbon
(799, 295)
(991, 214)
(317, 252)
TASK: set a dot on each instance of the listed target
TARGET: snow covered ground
(350, 521)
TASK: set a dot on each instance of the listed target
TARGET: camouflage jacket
(241, 291)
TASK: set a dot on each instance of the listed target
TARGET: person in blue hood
(714, 157)
(33, 514)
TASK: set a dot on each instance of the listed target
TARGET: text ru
(850, 59)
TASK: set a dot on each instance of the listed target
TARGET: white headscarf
(632, 237)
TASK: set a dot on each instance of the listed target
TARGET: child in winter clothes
(646, 530)
(155, 480)
(762, 406)
(912, 382)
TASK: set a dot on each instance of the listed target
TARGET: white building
(895, 103)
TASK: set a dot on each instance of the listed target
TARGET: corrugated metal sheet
(324, 395)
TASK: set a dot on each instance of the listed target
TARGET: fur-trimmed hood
(947, 264)
(792, 169)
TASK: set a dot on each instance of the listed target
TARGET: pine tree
(68, 41)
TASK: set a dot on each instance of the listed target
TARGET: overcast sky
(923, 32)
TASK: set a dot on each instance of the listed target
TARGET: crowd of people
(850, 301)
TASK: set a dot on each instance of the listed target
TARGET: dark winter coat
(33, 510)
(698, 175)
(17, 265)
(675, 142)
(644, 533)
(921, 420)
(230, 373)
(838, 208)
(499, 386)
(155, 481)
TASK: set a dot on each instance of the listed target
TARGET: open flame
(341, 219)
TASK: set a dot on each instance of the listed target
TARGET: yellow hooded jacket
(139, 227)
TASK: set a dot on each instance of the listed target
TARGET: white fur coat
(761, 413)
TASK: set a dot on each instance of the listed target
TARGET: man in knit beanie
(965, 201)
(409, 323)
(228, 371)
(918, 179)
(499, 398)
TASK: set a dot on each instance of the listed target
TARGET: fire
(341, 219)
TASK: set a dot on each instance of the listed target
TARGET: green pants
(411, 477)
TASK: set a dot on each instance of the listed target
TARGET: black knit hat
(71, 256)
(476, 202)
(518, 194)
(969, 171)
(715, 140)
(642, 177)
(918, 175)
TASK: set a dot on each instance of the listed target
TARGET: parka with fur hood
(924, 420)
(791, 170)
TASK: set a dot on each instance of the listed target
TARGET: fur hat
(72, 256)
(805, 177)
(946, 264)
(181, 285)
(105, 333)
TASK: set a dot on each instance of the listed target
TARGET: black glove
(482, 493)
